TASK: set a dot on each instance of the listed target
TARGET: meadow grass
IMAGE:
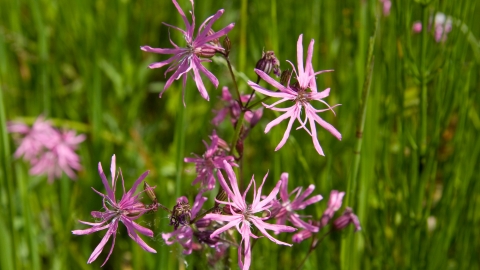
(412, 177)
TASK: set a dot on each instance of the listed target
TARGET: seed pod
(149, 190)
(269, 63)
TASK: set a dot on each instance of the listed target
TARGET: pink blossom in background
(334, 203)
(285, 209)
(387, 5)
(190, 58)
(417, 27)
(126, 210)
(233, 109)
(49, 151)
(212, 160)
(243, 215)
(301, 93)
(348, 217)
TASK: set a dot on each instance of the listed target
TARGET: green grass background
(417, 189)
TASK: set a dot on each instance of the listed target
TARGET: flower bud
(269, 63)
(227, 45)
(205, 51)
(285, 77)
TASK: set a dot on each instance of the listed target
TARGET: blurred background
(416, 193)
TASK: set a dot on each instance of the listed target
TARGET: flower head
(210, 161)
(126, 210)
(243, 215)
(334, 203)
(48, 150)
(301, 93)
(233, 109)
(286, 208)
(348, 217)
(198, 48)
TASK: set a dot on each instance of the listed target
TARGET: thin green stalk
(9, 243)
(348, 248)
(180, 144)
(422, 140)
(229, 64)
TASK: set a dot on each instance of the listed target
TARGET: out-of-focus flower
(48, 150)
(198, 48)
(387, 5)
(305, 234)
(301, 93)
(233, 109)
(243, 215)
(348, 217)
(442, 25)
(210, 161)
(417, 27)
(334, 203)
(286, 210)
(126, 210)
(269, 63)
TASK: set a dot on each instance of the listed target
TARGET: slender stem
(256, 103)
(238, 129)
(253, 92)
(313, 246)
(230, 68)
(423, 82)
(198, 217)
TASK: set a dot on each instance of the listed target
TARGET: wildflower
(59, 157)
(387, 5)
(417, 27)
(348, 217)
(243, 216)
(48, 150)
(442, 25)
(233, 109)
(127, 210)
(301, 93)
(210, 161)
(190, 58)
(286, 209)
(305, 234)
(334, 203)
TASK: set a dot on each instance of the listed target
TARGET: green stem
(422, 140)
(234, 79)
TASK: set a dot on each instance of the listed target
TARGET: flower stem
(229, 64)
(423, 82)
(253, 92)
(313, 246)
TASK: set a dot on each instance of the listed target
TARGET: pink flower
(204, 45)
(243, 215)
(48, 150)
(347, 218)
(286, 209)
(233, 108)
(417, 27)
(210, 161)
(298, 94)
(59, 157)
(387, 5)
(334, 203)
(40, 136)
(127, 210)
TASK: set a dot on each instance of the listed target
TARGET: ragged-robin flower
(212, 160)
(198, 49)
(285, 209)
(232, 108)
(242, 215)
(302, 93)
(126, 210)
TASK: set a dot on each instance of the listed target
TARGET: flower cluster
(48, 150)
(441, 23)
(213, 230)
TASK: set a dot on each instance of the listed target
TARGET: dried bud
(269, 62)
(227, 45)
(285, 77)
(149, 190)
(181, 213)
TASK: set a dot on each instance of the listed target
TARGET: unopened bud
(227, 45)
(205, 51)
(285, 77)
(269, 63)
(149, 190)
